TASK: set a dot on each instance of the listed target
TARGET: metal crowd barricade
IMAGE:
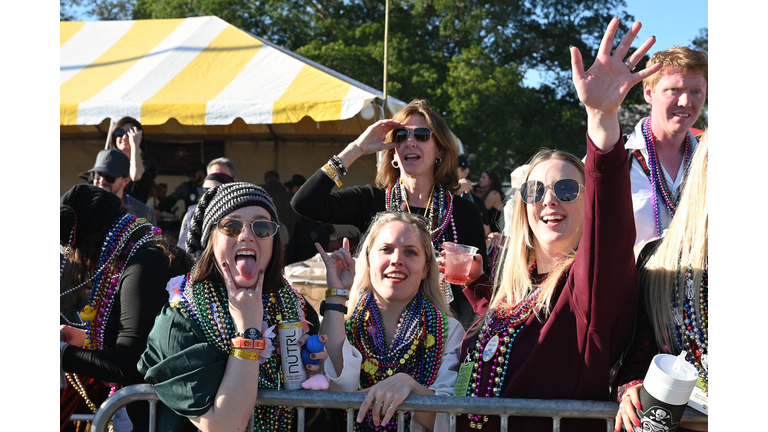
(556, 409)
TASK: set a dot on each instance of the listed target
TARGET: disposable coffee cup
(664, 395)
(458, 261)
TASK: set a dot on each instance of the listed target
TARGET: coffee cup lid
(670, 382)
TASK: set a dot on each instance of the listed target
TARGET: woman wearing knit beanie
(115, 265)
(211, 348)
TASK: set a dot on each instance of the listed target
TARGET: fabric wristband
(337, 292)
(244, 354)
(247, 343)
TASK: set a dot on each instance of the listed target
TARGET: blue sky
(678, 24)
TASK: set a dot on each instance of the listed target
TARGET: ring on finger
(629, 65)
(392, 407)
(380, 403)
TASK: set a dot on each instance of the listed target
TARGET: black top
(142, 188)
(140, 296)
(357, 205)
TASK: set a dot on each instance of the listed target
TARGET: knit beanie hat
(85, 209)
(220, 201)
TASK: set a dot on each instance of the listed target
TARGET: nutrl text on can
(294, 373)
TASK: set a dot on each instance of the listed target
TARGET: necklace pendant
(689, 289)
(705, 362)
(490, 348)
(678, 317)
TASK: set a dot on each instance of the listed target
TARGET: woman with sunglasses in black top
(561, 309)
(211, 347)
(417, 175)
(128, 137)
(489, 188)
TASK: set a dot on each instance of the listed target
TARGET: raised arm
(604, 86)
(340, 273)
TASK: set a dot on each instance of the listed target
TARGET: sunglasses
(101, 176)
(421, 134)
(565, 190)
(202, 190)
(233, 227)
(117, 133)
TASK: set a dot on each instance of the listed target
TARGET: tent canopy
(198, 71)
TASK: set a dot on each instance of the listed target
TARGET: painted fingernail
(637, 405)
(637, 422)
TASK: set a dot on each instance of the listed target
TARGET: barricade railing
(301, 399)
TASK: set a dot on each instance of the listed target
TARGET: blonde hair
(430, 286)
(518, 253)
(681, 58)
(445, 172)
(685, 244)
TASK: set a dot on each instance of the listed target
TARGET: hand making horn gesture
(604, 86)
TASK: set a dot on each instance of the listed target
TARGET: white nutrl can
(294, 373)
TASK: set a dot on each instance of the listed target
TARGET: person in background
(211, 180)
(188, 191)
(673, 313)
(465, 191)
(306, 232)
(224, 165)
(489, 189)
(661, 145)
(111, 172)
(128, 137)
(417, 175)
(282, 199)
(118, 264)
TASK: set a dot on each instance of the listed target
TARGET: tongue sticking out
(246, 266)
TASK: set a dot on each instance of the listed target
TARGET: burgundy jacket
(570, 354)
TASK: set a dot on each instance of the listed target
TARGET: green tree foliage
(467, 57)
(701, 42)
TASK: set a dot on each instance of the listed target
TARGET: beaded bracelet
(245, 354)
(338, 164)
(331, 173)
(247, 343)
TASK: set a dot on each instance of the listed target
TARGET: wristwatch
(332, 306)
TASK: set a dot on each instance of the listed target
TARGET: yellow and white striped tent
(198, 79)
(199, 71)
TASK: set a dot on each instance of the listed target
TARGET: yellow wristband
(337, 292)
(331, 173)
(245, 354)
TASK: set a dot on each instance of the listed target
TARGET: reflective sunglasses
(101, 176)
(261, 228)
(565, 190)
(421, 134)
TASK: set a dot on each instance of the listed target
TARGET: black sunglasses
(107, 178)
(117, 133)
(261, 228)
(565, 190)
(421, 134)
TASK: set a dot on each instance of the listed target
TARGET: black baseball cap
(113, 163)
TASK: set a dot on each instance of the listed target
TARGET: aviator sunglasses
(261, 228)
(421, 134)
(565, 190)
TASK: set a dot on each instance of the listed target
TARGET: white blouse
(349, 379)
